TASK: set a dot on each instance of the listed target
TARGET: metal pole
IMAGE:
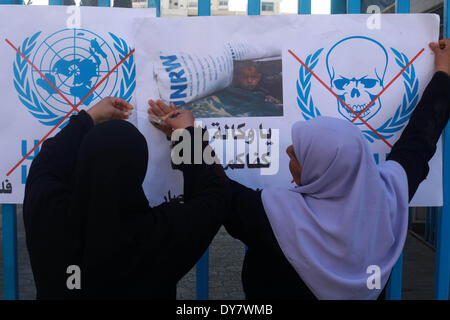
(338, 6)
(204, 7)
(403, 6)
(202, 267)
(202, 274)
(103, 3)
(353, 6)
(155, 4)
(394, 288)
(11, 1)
(254, 7)
(304, 6)
(9, 236)
(442, 274)
(9, 233)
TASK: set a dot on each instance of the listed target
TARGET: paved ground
(225, 263)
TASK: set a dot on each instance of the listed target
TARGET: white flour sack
(182, 77)
(246, 50)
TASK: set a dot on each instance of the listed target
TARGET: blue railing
(442, 218)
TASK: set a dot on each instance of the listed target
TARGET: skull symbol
(357, 66)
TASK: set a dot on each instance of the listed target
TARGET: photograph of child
(256, 91)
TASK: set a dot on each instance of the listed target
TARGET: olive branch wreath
(37, 108)
(391, 126)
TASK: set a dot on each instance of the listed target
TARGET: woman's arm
(191, 225)
(245, 218)
(417, 144)
(56, 159)
(48, 189)
(47, 193)
(206, 205)
(49, 182)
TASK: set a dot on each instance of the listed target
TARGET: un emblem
(360, 89)
(74, 62)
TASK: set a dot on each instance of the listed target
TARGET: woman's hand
(110, 108)
(442, 55)
(169, 118)
(157, 111)
(180, 119)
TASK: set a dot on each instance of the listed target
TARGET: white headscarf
(348, 215)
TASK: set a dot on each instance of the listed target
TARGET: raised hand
(179, 119)
(169, 118)
(110, 108)
(442, 55)
(157, 111)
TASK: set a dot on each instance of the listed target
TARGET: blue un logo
(358, 92)
(71, 67)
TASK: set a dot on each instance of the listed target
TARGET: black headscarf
(107, 190)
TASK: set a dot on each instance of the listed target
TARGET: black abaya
(84, 205)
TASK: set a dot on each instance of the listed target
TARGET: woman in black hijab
(84, 206)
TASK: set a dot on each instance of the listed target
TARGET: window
(267, 6)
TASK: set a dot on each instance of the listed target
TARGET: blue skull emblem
(357, 66)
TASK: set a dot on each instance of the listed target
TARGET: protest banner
(227, 71)
(57, 61)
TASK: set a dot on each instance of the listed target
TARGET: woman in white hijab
(347, 215)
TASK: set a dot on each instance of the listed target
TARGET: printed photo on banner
(228, 80)
(256, 91)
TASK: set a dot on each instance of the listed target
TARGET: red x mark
(74, 107)
(358, 115)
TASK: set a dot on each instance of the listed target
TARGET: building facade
(218, 7)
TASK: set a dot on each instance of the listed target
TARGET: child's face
(249, 78)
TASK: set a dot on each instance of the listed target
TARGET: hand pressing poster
(226, 70)
(57, 61)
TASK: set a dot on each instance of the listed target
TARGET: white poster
(243, 80)
(56, 60)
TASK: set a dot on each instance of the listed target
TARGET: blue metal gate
(442, 274)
